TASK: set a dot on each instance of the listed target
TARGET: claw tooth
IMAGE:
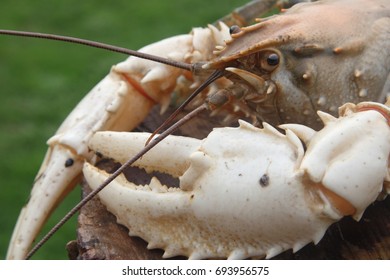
(303, 132)
(325, 117)
(169, 253)
(299, 245)
(142, 188)
(275, 250)
(197, 255)
(177, 250)
(237, 254)
(318, 235)
(220, 35)
(270, 129)
(154, 245)
(156, 186)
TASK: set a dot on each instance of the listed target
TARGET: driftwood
(100, 237)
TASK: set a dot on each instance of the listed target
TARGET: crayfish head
(309, 58)
(258, 57)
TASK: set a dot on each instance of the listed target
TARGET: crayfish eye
(273, 59)
(269, 61)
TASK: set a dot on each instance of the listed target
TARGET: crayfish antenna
(94, 44)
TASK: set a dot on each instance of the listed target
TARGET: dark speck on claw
(69, 162)
(264, 180)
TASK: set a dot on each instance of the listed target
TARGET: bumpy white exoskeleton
(248, 192)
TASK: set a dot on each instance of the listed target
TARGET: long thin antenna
(94, 44)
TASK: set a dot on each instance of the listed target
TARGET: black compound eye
(273, 59)
(269, 60)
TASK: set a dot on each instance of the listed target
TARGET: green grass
(42, 81)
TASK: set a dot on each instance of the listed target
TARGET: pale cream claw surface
(248, 192)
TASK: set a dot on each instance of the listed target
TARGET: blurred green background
(41, 81)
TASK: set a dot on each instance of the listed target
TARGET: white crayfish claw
(248, 192)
